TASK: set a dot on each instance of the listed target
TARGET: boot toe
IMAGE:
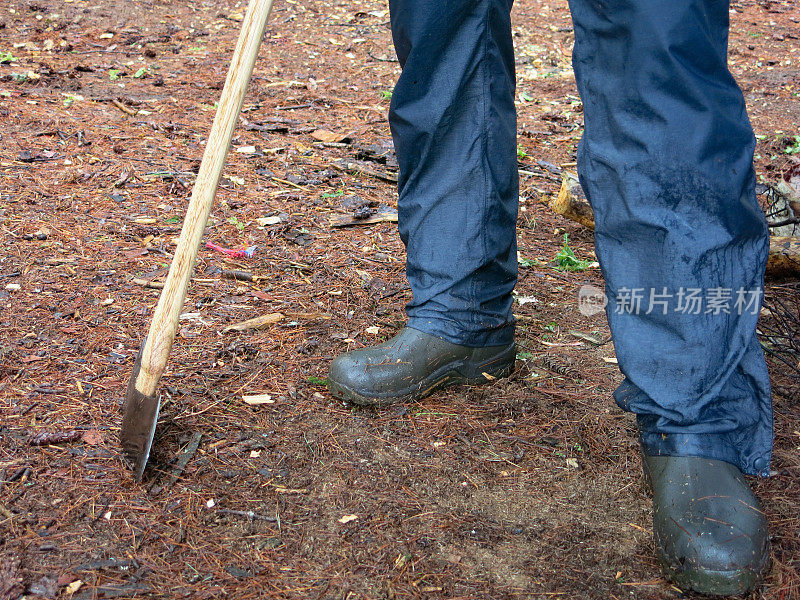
(347, 372)
(722, 560)
(367, 377)
(711, 536)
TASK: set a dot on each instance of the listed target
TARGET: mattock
(140, 412)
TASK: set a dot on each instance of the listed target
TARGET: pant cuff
(447, 330)
(716, 446)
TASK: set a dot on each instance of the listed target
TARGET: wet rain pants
(666, 162)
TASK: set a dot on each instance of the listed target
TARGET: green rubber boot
(711, 536)
(411, 365)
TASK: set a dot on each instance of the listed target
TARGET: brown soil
(529, 488)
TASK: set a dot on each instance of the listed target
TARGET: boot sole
(462, 372)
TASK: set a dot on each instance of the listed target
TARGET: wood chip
(256, 323)
(258, 399)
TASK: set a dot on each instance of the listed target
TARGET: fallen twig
(186, 456)
(238, 275)
(359, 169)
(389, 216)
(122, 107)
(149, 284)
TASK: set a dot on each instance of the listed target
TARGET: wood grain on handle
(165, 320)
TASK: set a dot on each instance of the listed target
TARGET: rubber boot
(710, 534)
(411, 365)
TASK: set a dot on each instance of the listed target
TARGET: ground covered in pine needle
(527, 488)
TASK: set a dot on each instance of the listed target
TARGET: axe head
(139, 417)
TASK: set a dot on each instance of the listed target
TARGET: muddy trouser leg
(666, 161)
(453, 122)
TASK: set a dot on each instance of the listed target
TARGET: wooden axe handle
(156, 350)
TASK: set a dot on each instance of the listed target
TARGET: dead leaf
(348, 518)
(73, 587)
(135, 253)
(323, 135)
(792, 181)
(256, 323)
(93, 438)
(66, 578)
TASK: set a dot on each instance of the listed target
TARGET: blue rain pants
(666, 162)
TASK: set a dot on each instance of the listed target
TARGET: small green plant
(566, 259)
(236, 222)
(173, 219)
(386, 94)
(141, 73)
(335, 194)
(794, 146)
(313, 380)
(552, 326)
(527, 262)
(522, 153)
(7, 57)
(19, 77)
(113, 74)
(524, 355)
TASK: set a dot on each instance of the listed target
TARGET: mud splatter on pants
(666, 162)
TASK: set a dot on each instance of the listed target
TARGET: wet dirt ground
(527, 488)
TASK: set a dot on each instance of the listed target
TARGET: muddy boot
(710, 534)
(411, 365)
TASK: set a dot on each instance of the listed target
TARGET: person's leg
(666, 162)
(453, 122)
(454, 127)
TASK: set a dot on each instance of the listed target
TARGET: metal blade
(139, 417)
